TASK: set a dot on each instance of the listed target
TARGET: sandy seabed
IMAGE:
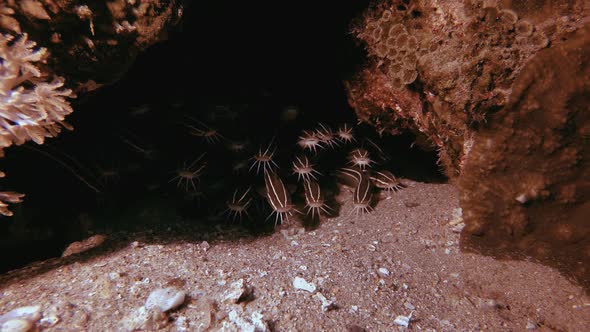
(402, 259)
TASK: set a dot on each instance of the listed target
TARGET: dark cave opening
(254, 71)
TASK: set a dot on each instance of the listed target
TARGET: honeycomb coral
(459, 58)
(369, 90)
(524, 28)
(524, 187)
(390, 41)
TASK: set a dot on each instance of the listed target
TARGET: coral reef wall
(439, 68)
(51, 48)
(525, 187)
(501, 89)
(91, 43)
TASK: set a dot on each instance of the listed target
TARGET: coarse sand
(402, 259)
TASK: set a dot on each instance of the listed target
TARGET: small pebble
(84, 245)
(531, 326)
(486, 303)
(403, 320)
(205, 246)
(409, 306)
(300, 283)
(165, 299)
(49, 321)
(383, 272)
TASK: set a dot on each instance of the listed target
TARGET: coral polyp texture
(501, 91)
(31, 107)
(92, 43)
(88, 44)
(440, 68)
(525, 186)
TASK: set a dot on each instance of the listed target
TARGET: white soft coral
(31, 108)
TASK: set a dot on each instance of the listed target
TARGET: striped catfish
(304, 168)
(386, 180)
(313, 198)
(362, 196)
(239, 204)
(349, 176)
(278, 197)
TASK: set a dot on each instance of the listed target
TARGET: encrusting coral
(502, 93)
(31, 107)
(440, 68)
(525, 187)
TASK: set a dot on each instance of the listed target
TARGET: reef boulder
(501, 90)
(525, 186)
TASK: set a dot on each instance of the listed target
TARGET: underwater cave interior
(255, 71)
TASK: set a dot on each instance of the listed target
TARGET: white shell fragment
(457, 220)
(165, 299)
(20, 319)
(237, 291)
(410, 306)
(30, 313)
(522, 198)
(258, 321)
(49, 321)
(326, 304)
(238, 321)
(383, 272)
(143, 319)
(300, 283)
(403, 320)
(16, 325)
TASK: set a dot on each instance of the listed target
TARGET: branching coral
(31, 108)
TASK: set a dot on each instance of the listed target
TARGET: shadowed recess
(162, 146)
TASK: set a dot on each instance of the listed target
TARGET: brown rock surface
(525, 186)
(502, 93)
(456, 62)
